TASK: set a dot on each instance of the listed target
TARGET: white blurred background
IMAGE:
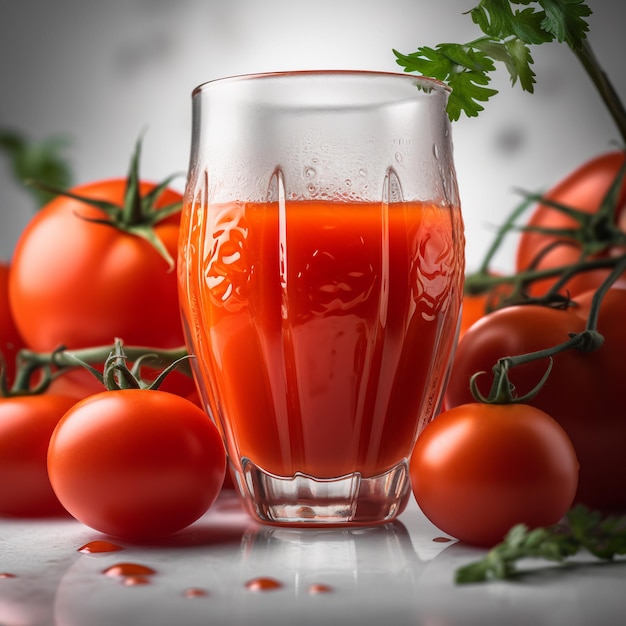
(101, 72)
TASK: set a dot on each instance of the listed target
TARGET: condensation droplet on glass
(435, 151)
(310, 172)
(347, 182)
(363, 172)
(398, 156)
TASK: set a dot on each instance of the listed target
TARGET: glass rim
(423, 81)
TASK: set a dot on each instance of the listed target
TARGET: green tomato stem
(50, 365)
(99, 354)
(482, 282)
(603, 85)
(589, 340)
(504, 229)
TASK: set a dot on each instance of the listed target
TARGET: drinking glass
(321, 269)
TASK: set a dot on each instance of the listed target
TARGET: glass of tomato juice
(321, 267)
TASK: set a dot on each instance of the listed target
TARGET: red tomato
(584, 189)
(26, 425)
(583, 301)
(136, 464)
(583, 393)
(479, 469)
(476, 306)
(76, 383)
(229, 483)
(10, 340)
(78, 283)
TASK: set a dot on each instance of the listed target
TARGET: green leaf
(468, 89)
(509, 31)
(445, 61)
(516, 536)
(466, 58)
(564, 19)
(492, 22)
(497, 19)
(527, 25)
(516, 56)
(464, 68)
(604, 538)
(427, 61)
(42, 160)
(519, 64)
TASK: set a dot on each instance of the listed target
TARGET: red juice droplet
(7, 575)
(442, 539)
(94, 547)
(263, 584)
(132, 581)
(128, 569)
(319, 588)
(195, 592)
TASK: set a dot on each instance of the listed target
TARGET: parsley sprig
(583, 529)
(509, 33)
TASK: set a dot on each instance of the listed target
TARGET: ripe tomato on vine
(132, 461)
(591, 223)
(96, 263)
(478, 469)
(10, 340)
(583, 391)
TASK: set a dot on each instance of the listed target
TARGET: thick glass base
(303, 500)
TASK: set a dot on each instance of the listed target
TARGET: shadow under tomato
(224, 524)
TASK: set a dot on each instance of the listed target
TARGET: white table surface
(392, 575)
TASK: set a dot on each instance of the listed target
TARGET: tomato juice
(322, 330)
